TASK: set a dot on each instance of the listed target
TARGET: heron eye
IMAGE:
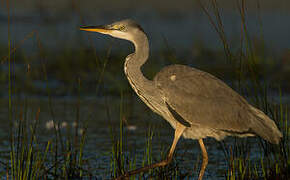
(122, 28)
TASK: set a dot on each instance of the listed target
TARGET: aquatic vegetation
(81, 73)
(274, 160)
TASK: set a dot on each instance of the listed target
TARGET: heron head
(125, 29)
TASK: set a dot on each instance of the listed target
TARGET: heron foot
(144, 169)
(178, 132)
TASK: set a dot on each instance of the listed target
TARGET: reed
(274, 159)
(62, 156)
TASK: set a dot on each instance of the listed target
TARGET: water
(182, 29)
(99, 114)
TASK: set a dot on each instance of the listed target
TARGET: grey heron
(195, 103)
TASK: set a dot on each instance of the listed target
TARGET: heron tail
(265, 127)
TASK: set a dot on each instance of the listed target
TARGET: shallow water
(99, 114)
(182, 30)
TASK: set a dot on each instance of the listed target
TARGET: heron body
(195, 103)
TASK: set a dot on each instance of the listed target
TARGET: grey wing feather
(202, 99)
(177, 116)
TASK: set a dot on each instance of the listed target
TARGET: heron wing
(202, 99)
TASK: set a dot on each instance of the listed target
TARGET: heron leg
(204, 159)
(178, 132)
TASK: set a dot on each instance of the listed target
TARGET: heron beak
(100, 29)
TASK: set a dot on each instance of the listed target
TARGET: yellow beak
(99, 29)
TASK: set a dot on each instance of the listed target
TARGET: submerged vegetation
(83, 72)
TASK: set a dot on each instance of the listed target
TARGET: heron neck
(141, 49)
(143, 87)
(134, 63)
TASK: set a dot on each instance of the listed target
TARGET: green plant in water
(27, 158)
(274, 160)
